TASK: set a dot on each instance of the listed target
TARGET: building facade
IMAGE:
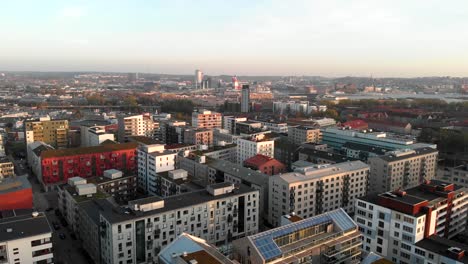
(199, 137)
(57, 166)
(315, 190)
(393, 222)
(52, 132)
(402, 169)
(249, 147)
(206, 119)
(300, 134)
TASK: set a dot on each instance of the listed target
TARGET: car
(62, 236)
(56, 226)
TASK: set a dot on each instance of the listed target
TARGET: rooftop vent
(35, 214)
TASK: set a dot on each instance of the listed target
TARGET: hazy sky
(327, 37)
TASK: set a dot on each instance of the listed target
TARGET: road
(66, 251)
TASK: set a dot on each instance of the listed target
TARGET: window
(381, 216)
(420, 252)
(380, 232)
(379, 250)
(397, 225)
(408, 229)
(405, 246)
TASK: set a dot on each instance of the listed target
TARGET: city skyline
(326, 38)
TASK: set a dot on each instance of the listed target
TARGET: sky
(386, 38)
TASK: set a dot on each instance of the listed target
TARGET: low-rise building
(331, 237)
(25, 237)
(188, 249)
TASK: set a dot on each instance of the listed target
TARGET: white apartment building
(457, 175)
(136, 125)
(218, 214)
(25, 238)
(297, 107)
(393, 222)
(438, 250)
(206, 119)
(34, 151)
(402, 169)
(229, 123)
(317, 189)
(153, 159)
(94, 136)
(256, 144)
(301, 134)
(273, 126)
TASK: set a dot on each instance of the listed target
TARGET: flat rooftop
(390, 157)
(13, 184)
(119, 214)
(319, 171)
(23, 226)
(238, 171)
(441, 245)
(334, 157)
(88, 150)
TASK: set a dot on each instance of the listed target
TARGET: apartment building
(402, 169)
(438, 250)
(25, 237)
(223, 136)
(137, 233)
(206, 119)
(34, 151)
(311, 191)
(172, 131)
(153, 159)
(199, 137)
(221, 152)
(57, 166)
(301, 134)
(393, 222)
(274, 126)
(52, 132)
(457, 175)
(136, 125)
(2, 146)
(229, 123)
(7, 168)
(331, 237)
(122, 188)
(94, 136)
(188, 249)
(253, 145)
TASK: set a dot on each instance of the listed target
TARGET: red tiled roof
(259, 159)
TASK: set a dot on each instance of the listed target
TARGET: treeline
(448, 141)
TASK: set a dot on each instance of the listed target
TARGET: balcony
(42, 252)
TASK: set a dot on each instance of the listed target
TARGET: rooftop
(144, 140)
(334, 157)
(259, 160)
(239, 171)
(441, 246)
(406, 154)
(13, 184)
(366, 148)
(23, 225)
(88, 150)
(119, 214)
(268, 248)
(319, 171)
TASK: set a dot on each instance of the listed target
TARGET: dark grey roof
(367, 148)
(337, 158)
(441, 245)
(118, 214)
(421, 151)
(23, 226)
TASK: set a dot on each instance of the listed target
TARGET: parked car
(62, 236)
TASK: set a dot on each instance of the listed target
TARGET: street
(66, 251)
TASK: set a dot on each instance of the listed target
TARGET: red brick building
(265, 164)
(357, 124)
(59, 165)
(15, 193)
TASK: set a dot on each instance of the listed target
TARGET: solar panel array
(267, 247)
